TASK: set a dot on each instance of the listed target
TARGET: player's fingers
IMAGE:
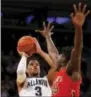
(35, 40)
(84, 8)
(44, 25)
(48, 27)
(38, 31)
(75, 8)
(71, 15)
(87, 13)
(51, 28)
(79, 7)
(51, 33)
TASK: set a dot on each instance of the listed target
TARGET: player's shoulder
(45, 77)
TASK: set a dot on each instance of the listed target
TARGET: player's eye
(37, 64)
(31, 64)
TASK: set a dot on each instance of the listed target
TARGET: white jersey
(36, 87)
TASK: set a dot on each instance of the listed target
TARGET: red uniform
(63, 86)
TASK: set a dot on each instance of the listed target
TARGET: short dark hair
(67, 52)
(31, 58)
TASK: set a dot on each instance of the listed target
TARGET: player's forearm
(78, 40)
(51, 47)
(21, 70)
(22, 65)
(77, 51)
(47, 59)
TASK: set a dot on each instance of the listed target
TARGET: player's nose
(35, 65)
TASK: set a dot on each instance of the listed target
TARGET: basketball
(26, 44)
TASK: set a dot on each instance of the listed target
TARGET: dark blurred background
(23, 17)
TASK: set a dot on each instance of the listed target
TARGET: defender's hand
(79, 15)
(46, 30)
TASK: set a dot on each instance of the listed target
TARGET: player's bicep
(76, 56)
(75, 61)
(21, 76)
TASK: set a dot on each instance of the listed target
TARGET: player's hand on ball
(23, 54)
(38, 48)
(26, 44)
(79, 15)
(47, 30)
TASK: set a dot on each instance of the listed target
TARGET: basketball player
(66, 82)
(33, 85)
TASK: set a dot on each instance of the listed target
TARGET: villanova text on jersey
(37, 82)
(34, 87)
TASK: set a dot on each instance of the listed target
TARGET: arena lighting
(29, 18)
(58, 20)
(50, 19)
(62, 20)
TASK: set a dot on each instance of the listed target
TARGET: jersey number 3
(38, 91)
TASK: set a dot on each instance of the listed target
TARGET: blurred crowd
(9, 65)
(8, 75)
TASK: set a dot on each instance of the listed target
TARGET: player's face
(33, 68)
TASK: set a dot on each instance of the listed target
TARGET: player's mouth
(35, 68)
